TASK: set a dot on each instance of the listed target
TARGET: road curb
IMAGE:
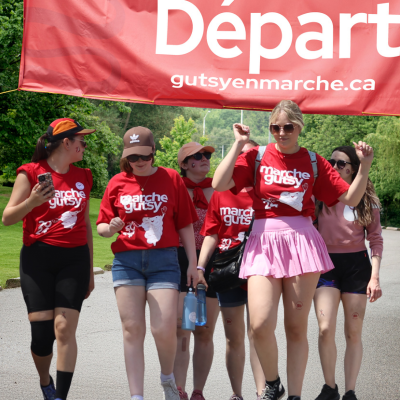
(392, 228)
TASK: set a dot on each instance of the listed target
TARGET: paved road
(100, 371)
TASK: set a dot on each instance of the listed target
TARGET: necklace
(142, 187)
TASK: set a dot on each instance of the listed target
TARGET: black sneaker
(349, 395)
(327, 393)
(274, 392)
(49, 391)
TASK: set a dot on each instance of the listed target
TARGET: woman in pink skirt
(285, 255)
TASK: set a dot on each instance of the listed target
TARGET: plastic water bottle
(201, 319)
(189, 311)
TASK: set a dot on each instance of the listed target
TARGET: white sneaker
(170, 390)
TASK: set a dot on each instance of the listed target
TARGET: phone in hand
(46, 179)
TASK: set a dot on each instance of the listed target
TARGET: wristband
(203, 269)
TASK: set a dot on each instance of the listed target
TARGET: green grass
(11, 241)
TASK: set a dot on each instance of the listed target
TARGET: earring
(193, 165)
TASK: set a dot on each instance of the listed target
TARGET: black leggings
(53, 276)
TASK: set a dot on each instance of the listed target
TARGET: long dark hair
(43, 149)
(368, 202)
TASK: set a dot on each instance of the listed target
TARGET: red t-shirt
(229, 217)
(284, 182)
(152, 217)
(61, 220)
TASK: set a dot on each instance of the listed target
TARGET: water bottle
(189, 311)
(201, 317)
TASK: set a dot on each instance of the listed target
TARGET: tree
(181, 133)
(385, 171)
(24, 116)
(322, 133)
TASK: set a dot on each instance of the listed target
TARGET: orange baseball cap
(191, 148)
(64, 127)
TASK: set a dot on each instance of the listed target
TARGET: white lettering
(256, 50)
(162, 27)
(213, 35)
(382, 18)
(326, 37)
(346, 23)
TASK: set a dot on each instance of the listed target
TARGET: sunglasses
(287, 128)
(340, 163)
(199, 156)
(134, 157)
(84, 144)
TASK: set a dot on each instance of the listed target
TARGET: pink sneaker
(182, 395)
(197, 395)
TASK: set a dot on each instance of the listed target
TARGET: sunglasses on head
(287, 128)
(199, 156)
(340, 163)
(135, 157)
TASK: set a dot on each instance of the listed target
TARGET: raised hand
(365, 153)
(242, 133)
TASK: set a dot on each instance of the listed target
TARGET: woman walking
(56, 264)
(285, 254)
(194, 161)
(353, 279)
(228, 219)
(150, 209)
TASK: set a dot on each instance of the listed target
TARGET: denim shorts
(232, 298)
(153, 268)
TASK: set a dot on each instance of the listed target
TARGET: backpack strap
(260, 154)
(313, 158)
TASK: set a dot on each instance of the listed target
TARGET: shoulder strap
(260, 154)
(314, 164)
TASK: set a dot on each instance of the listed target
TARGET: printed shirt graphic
(153, 217)
(229, 216)
(60, 221)
(284, 182)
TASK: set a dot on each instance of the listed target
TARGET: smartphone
(45, 179)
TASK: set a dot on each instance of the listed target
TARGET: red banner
(331, 57)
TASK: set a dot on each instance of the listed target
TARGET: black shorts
(53, 276)
(351, 274)
(184, 263)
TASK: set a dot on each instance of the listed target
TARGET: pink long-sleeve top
(343, 234)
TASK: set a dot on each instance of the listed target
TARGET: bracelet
(203, 269)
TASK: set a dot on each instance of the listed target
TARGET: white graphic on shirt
(149, 202)
(293, 178)
(70, 197)
(269, 203)
(350, 214)
(225, 244)
(237, 216)
(134, 139)
(69, 218)
(80, 185)
(294, 199)
(130, 229)
(153, 227)
(241, 236)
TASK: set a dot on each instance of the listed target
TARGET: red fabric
(284, 184)
(214, 54)
(343, 234)
(60, 221)
(153, 217)
(199, 200)
(229, 217)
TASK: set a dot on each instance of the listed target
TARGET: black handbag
(227, 267)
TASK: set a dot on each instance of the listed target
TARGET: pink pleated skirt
(284, 247)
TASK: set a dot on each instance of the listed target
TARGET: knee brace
(43, 337)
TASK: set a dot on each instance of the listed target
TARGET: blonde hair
(291, 109)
